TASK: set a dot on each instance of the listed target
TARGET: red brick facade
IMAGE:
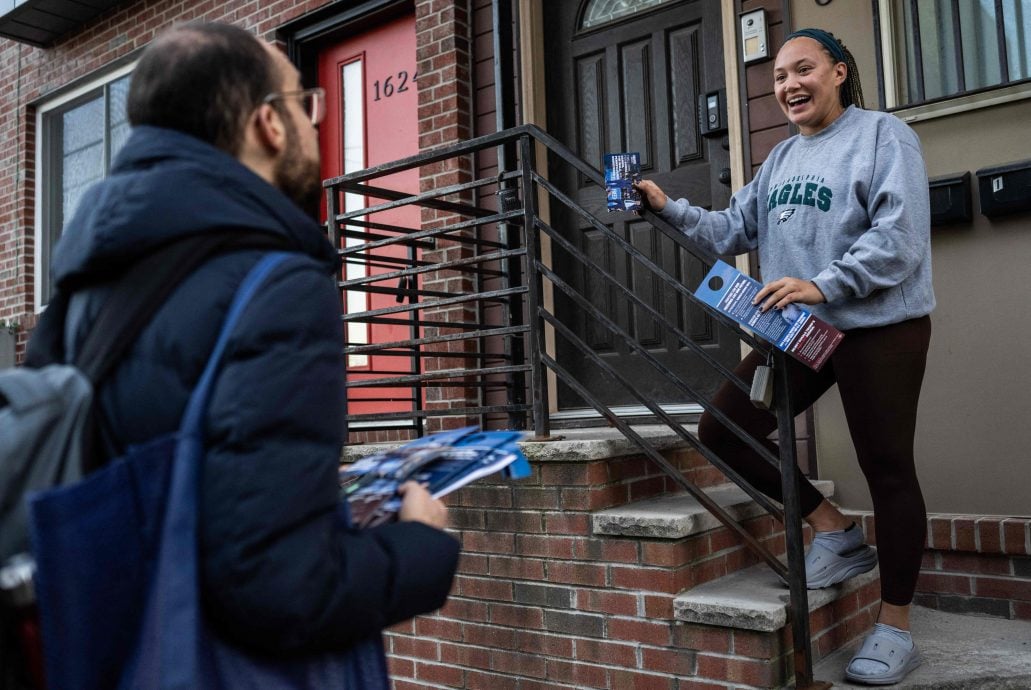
(542, 602)
(539, 601)
(445, 116)
(28, 75)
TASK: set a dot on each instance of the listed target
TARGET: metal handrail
(514, 258)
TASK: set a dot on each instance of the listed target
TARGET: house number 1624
(395, 83)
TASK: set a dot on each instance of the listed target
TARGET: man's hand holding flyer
(442, 462)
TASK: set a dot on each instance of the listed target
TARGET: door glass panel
(82, 152)
(600, 12)
(353, 108)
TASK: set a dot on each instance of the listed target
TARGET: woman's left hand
(781, 293)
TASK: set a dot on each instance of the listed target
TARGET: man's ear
(269, 129)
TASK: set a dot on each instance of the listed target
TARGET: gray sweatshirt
(847, 208)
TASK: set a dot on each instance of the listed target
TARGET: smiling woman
(839, 214)
(808, 60)
(806, 84)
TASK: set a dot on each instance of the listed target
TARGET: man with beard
(224, 139)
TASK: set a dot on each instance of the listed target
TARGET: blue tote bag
(117, 579)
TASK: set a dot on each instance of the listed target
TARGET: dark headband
(824, 39)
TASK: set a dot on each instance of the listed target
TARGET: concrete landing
(960, 652)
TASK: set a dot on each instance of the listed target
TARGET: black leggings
(879, 372)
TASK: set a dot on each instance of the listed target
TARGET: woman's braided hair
(852, 90)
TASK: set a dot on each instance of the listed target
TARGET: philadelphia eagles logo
(785, 215)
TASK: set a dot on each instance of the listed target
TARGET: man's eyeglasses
(312, 100)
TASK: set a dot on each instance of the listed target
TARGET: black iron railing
(464, 277)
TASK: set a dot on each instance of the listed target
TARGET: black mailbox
(950, 199)
(1005, 188)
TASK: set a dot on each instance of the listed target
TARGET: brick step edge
(676, 516)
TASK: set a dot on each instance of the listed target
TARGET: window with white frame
(79, 134)
(940, 51)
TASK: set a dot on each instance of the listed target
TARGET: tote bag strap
(175, 594)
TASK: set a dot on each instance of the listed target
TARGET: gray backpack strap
(72, 320)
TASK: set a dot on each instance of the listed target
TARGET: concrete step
(675, 516)
(749, 609)
(755, 599)
(959, 651)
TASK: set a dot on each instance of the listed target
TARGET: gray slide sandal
(824, 568)
(881, 647)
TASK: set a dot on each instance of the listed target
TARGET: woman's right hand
(652, 196)
(417, 505)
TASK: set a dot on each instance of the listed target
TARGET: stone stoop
(568, 578)
(736, 620)
(745, 617)
(541, 602)
(598, 572)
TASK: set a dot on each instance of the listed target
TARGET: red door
(372, 119)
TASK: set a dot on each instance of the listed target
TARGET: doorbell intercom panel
(755, 39)
(712, 113)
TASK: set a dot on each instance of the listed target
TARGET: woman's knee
(711, 432)
(715, 435)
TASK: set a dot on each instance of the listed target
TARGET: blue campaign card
(621, 170)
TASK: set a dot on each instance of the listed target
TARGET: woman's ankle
(894, 615)
(827, 518)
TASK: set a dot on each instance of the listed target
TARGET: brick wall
(540, 602)
(974, 564)
(28, 74)
(445, 117)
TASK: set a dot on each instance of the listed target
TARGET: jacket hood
(166, 185)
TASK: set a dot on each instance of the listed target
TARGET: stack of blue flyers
(441, 462)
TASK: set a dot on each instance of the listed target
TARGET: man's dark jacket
(279, 569)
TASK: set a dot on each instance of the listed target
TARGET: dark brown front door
(633, 85)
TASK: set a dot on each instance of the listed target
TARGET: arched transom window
(600, 12)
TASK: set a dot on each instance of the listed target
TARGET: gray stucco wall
(974, 435)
